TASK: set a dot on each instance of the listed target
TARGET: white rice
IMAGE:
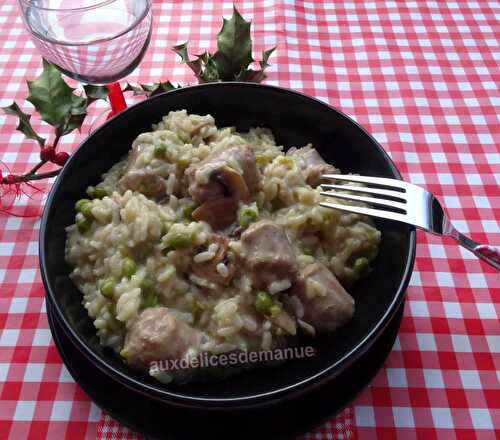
(207, 255)
(222, 270)
(279, 286)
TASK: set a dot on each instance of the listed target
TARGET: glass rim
(98, 4)
(147, 10)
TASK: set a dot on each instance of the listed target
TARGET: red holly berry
(48, 154)
(61, 158)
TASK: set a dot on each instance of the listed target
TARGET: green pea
(187, 211)
(96, 192)
(179, 239)
(263, 302)
(128, 267)
(149, 294)
(274, 310)
(147, 285)
(91, 191)
(159, 151)
(108, 288)
(247, 216)
(150, 299)
(86, 210)
(80, 204)
(83, 224)
(361, 266)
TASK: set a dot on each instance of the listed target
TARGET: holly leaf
(94, 93)
(54, 99)
(234, 46)
(233, 57)
(251, 75)
(75, 117)
(136, 89)
(151, 89)
(161, 87)
(265, 58)
(24, 125)
(194, 65)
(51, 96)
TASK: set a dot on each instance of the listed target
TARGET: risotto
(206, 240)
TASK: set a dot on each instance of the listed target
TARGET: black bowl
(296, 120)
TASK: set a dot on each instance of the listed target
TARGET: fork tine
(367, 179)
(367, 190)
(370, 200)
(368, 211)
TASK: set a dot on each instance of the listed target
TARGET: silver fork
(407, 203)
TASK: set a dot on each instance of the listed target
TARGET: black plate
(296, 120)
(157, 420)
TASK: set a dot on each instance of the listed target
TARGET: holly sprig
(58, 105)
(233, 57)
(231, 61)
(64, 108)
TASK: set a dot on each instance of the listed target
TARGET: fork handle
(489, 254)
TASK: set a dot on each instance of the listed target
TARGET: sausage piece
(158, 335)
(268, 253)
(326, 303)
(147, 183)
(314, 165)
(143, 181)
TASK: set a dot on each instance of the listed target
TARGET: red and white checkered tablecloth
(423, 77)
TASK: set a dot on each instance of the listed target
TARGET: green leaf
(24, 125)
(194, 65)
(74, 119)
(181, 50)
(265, 57)
(251, 75)
(51, 96)
(204, 57)
(94, 93)
(210, 71)
(136, 89)
(54, 99)
(234, 55)
(234, 46)
(161, 87)
(151, 89)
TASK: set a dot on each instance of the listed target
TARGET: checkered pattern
(423, 77)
